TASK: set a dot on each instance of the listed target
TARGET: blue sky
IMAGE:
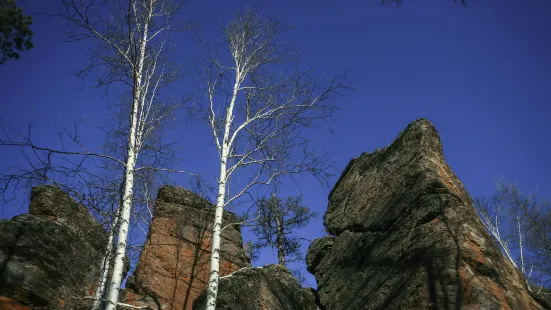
(481, 74)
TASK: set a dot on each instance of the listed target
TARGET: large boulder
(49, 258)
(405, 235)
(173, 268)
(271, 287)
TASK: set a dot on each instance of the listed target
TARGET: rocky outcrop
(174, 265)
(271, 287)
(405, 235)
(49, 257)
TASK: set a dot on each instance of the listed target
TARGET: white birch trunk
(118, 267)
(521, 250)
(212, 290)
(105, 263)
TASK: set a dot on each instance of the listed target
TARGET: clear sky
(481, 74)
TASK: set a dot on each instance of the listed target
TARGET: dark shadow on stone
(201, 229)
(407, 236)
(50, 258)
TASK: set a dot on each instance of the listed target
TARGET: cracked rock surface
(271, 287)
(405, 235)
(50, 258)
(174, 266)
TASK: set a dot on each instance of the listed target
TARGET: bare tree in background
(521, 225)
(257, 113)
(278, 220)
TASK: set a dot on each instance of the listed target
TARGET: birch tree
(129, 45)
(156, 152)
(99, 184)
(521, 225)
(258, 105)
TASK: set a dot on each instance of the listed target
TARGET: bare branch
(265, 112)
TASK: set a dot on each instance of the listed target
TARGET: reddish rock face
(406, 236)
(174, 264)
(7, 303)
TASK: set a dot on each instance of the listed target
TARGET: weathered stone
(318, 249)
(174, 264)
(54, 204)
(127, 296)
(271, 287)
(49, 259)
(407, 236)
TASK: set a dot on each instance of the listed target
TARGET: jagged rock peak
(415, 156)
(52, 203)
(419, 135)
(406, 236)
(181, 196)
(50, 258)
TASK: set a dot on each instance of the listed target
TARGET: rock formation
(405, 235)
(271, 287)
(49, 257)
(174, 265)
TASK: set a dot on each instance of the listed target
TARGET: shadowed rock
(174, 265)
(407, 236)
(271, 287)
(49, 258)
(10, 304)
